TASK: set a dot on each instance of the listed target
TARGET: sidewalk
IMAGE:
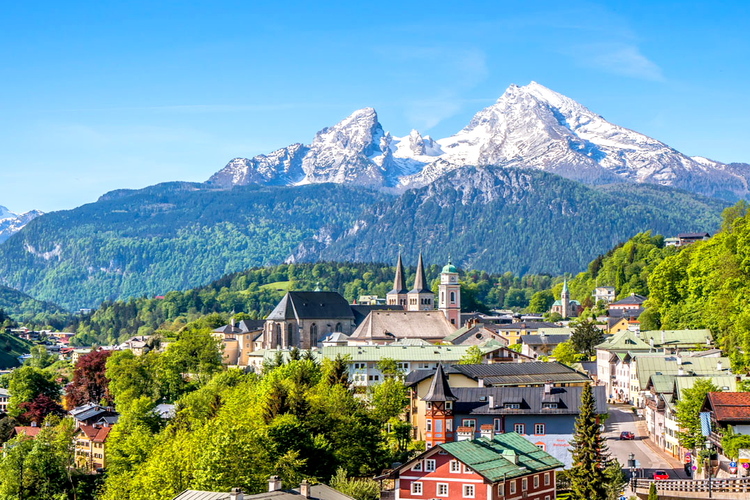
(673, 462)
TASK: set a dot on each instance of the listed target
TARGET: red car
(660, 475)
(627, 435)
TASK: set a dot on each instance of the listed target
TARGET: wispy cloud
(617, 58)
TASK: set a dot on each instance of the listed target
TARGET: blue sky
(106, 95)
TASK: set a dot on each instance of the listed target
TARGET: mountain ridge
(527, 127)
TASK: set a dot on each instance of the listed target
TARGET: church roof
(399, 284)
(420, 282)
(393, 325)
(449, 268)
(311, 305)
(440, 390)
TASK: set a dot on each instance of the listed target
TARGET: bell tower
(421, 297)
(439, 415)
(397, 296)
(450, 294)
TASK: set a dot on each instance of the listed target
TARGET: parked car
(627, 435)
(660, 475)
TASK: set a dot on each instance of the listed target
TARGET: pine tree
(590, 453)
(652, 495)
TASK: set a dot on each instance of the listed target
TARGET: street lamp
(505, 475)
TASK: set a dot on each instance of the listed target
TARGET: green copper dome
(449, 268)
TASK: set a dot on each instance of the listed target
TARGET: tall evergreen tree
(590, 453)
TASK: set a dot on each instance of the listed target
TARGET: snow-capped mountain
(530, 127)
(11, 223)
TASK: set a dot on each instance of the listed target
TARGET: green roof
(453, 336)
(449, 268)
(682, 383)
(672, 337)
(443, 353)
(624, 341)
(502, 456)
(647, 366)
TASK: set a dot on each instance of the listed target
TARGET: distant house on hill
(684, 239)
(627, 305)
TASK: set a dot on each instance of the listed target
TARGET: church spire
(440, 389)
(419, 281)
(399, 284)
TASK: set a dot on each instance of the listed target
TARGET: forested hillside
(178, 236)
(170, 237)
(523, 221)
(707, 285)
(23, 308)
(256, 292)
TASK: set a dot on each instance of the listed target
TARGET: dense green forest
(177, 236)
(25, 309)
(522, 221)
(707, 285)
(257, 291)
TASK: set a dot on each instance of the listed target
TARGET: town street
(621, 418)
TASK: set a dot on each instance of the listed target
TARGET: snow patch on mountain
(11, 223)
(529, 127)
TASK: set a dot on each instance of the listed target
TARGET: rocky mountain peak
(529, 126)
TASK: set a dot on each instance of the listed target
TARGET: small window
(549, 406)
(538, 428)
(468, 491)
(524, 484)
(512, 487)
(428, 425)
(449, 405)
(469, 423)
(519, 428)
(417, 467)
(512, 406)
(498, 425)
(449, 425)
(429, 465)
(546, 497)
(501, 490)
(546, 479)
(536, 481)
(455, 466)
(467, 470)
(442, 490)
(416, 488)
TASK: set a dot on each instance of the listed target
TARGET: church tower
(397, 296)
(565, 300)
(439, 414)
(450, 295)
(421, 297)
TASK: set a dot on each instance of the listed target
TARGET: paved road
(621, 418)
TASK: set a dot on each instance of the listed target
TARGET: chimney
(680, 371)
(663, 337)
(491, 402)
(485, 431)
(719, 366)
(678, 358)
(464, 433)
(274, 483)
(304, 488)
(548, 387)
(236, 494)
(651, 342)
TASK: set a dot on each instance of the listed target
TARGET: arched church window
(289, 335)
(313, 335)
(277, 336)
(453, 297)
(338, 327)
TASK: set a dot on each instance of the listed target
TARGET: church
(421, 298)
(304, 319)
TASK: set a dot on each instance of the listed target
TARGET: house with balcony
(727, 410)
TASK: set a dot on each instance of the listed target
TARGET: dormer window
(549, 406)
(512, 406)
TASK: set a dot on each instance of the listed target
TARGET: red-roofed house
(26, 430)
(728, 409)
(90, 443)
